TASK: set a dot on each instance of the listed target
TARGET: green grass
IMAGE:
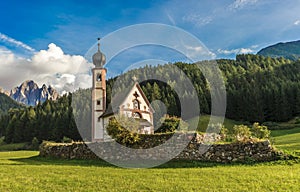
(288, 140)
(17, 154)
(20, 173)
(13, 146)
(204, 120)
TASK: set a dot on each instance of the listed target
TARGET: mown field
(287, 140)
(25, 171)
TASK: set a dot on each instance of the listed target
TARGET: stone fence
(195, 150)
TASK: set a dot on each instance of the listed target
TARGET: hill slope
(6, 103)
(289, 50)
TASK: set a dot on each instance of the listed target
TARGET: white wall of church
(98, 99)
(128, 105)
(98, 131)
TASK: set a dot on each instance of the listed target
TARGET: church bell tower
(98, 95)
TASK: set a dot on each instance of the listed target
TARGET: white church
(132, 104)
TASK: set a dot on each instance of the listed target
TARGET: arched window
(98, 78)
(137, 115)
(136, 104)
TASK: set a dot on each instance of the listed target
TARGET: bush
(260, 131)
(124, 130)
(35, 143)
(241, 132)
(224, 133)
(66, 140)
(297, 120)
(172, 124)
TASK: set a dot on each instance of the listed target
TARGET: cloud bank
(52, 67)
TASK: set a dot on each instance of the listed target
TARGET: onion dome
(99, 58)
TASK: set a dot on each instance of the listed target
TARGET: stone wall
(195, 150)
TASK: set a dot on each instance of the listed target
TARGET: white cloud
(193, 52)
(297, 22)
(197, 19)
(10, 40)
(239, 4)
(52, 67)
(236, 51)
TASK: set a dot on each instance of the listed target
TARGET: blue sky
(225, 27)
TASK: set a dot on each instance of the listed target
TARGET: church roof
(108, 112)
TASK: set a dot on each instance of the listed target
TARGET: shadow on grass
(37, 160)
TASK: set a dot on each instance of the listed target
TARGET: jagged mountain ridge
(30, 94)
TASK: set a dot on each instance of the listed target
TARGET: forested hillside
(7, 103)
(258, 89)
(48, 121)
(289, 50)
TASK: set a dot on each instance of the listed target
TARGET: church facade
(132, 103)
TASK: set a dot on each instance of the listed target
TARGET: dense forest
(258, 89)
(51, 120)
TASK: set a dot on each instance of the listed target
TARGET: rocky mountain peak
(29, 93)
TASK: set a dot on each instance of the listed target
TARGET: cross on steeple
(98, 43)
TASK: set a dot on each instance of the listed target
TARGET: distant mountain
(7, 103)
(289, 50)
(30, 94)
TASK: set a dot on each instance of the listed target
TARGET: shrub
(241, 132)
(297, 120)
(260, 131)
(123, 130)
(224, 133)
(172, 124)
(35, 143)
(66, 140)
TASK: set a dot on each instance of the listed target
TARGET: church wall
(98, 131)
(127, 107)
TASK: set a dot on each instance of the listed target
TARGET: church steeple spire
(99, 58)
(98, 44)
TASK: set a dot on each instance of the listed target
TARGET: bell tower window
(98, 102)
(98, 78)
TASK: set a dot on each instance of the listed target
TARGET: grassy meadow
(203, 121)
(26, 171)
